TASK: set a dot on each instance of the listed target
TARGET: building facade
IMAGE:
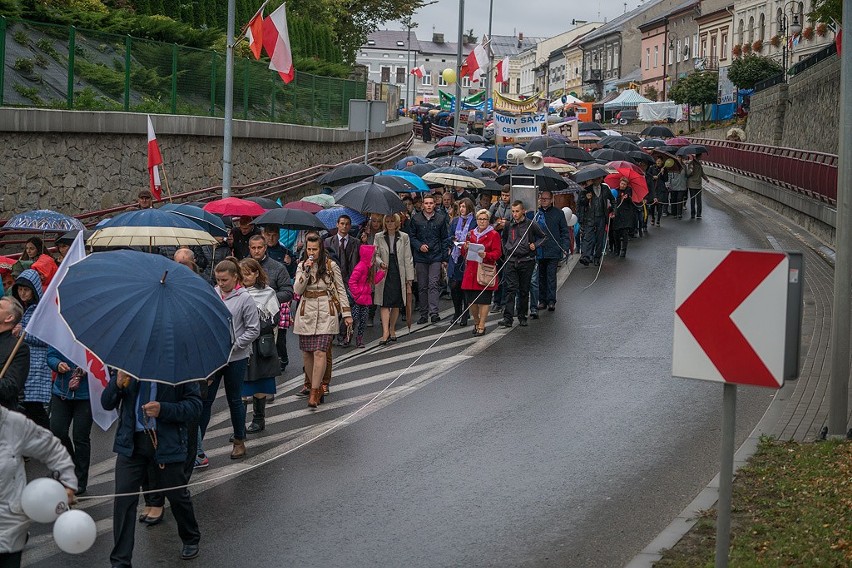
(654, 54)
(714, 46)
(387, 55)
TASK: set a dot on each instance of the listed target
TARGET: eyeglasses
(482, 218)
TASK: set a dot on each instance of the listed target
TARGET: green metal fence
(51, 66)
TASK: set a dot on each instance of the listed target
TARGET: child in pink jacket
(364, 276)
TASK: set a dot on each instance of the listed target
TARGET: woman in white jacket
(21, 437)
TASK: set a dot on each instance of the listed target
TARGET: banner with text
(502, 103)
(519, 127)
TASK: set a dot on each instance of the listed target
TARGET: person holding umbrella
(393, 252)
(694, 176)
(658, 177)
(593, 213)
(624, 218)
(676, 186)
(323, 296)
(246, 326)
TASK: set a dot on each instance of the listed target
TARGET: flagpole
(229, 104)
(166, 181)
(457, 114)
(244, 29)
(490, 66)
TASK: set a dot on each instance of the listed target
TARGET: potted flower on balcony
(737, 50)
(775, 40)
(808, 33)
(746, 48)
(757, 46)
(821, 29)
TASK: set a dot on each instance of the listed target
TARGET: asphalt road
(566, 443)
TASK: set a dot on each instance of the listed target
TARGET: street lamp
(409, 25)
(795, 28)
(671, 45)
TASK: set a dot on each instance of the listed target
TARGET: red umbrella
(234, 207)
(621, 164)
(308, 206)
(552, 160)
(679, 141)
(635, 180)
(6, 263)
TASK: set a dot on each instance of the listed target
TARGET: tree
(827, 11)
(651, 92)
(698, 88)
(746, 72)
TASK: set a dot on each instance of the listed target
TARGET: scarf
(479, 235)
(461, 234)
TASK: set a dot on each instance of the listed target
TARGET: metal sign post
(367, 116)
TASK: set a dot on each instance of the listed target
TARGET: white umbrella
(149, 237)
(453, 179)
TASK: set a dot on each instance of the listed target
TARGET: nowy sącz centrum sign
(519, 127)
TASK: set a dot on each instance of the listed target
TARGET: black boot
(258, 420)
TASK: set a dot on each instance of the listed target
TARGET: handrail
(274, 187)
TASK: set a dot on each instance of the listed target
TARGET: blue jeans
(547, 280)
(234, 374)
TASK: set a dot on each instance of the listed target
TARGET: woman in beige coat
(393, 253)
(319, 283)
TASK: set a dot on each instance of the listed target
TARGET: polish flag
(276, 42)
(419, 71)
(47, 325)
(155, 160)
(503, 71)
(254, 32)
(476, 63)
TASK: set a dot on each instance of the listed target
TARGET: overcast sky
(535, 18)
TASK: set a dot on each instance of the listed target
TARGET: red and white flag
(419, 71)
(276, 42)
(254, 32)
(476, 63)
(502, 71)
(155, 160)
(47, 325)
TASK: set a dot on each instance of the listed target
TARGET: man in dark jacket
(280, 281)
(151, 411)
(430, 244)
(12, 383)
(240, 236)
(521, 239)
(558, 243)
(593, 212)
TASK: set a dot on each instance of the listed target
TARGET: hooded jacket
(38, 384)
(245, 321)
(360, 284)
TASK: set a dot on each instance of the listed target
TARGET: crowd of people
(487, 254)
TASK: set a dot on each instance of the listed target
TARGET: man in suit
(344, 248)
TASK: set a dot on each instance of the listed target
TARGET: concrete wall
(801, 114)
(82, 161)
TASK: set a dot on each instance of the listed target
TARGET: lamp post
(457, 114)
(676, 56)
(410, 24)
(794, 26)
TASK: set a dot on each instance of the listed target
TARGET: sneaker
(436, 318)
(201, 462)
(505, 322)
(522, 322)
(422, 320)
(584, 260)
(698, 216)
(534, 316)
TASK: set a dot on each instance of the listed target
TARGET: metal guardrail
(813, 174)
(771, 82)
(815, 58)
(438, 132)
(271, 188)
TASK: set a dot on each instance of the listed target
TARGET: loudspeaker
(534, 161)
(516, 156)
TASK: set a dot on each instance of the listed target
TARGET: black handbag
(266, 345)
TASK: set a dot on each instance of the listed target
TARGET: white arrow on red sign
(730, 319)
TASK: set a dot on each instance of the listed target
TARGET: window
(385, 55)
(762, 28)
(441, 82)
(371, 42)
(364, 54)
(751, 29)
(694, 47)
(518, 85)
(400, 43)
(703, 48)
(466, 81)
(426, 80)
(401, 56)
(741, 31)
(671, 52)
(678, 49)
(615, 52)
(647, 58)
(724, 52)
(385, 75)
(656, 56)
(400, 75)
(713, 52)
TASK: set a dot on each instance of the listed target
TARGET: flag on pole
(47, 325)
(419, 71)
(475, 64)
(503, 70)
(254, 32)
(155, 160)
(276, 42)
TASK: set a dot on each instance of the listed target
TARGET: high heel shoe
(153, 521)
(392, 339)
(314, 398)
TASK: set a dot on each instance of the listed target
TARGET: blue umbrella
(496, 155)
(207, 221)
(147, 316)
(329, 216)
(43, 220)
(410, 177)
(403, 162)
(150, 218)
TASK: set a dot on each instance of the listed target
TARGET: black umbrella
(467, 147)
(264, 202)
(294, 219)
(573, 187)
(484, 173)
(568, 153)
(491, 187)
(398, 184)
(476, 139)
(369, 196)
(441, 151)
(661, 131)
(651, 143)
(640, 156)
(692, 149)
(545, 178)
(584, 126)
(669, 149)
(350, 173)
(420, 169)
(611, 155)
(624, 146)
(607, 140)
(541, 144)
(454, 162)
(454, 140)
(589, 172)
(632, 137)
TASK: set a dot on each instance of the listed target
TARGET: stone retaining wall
(74, 162)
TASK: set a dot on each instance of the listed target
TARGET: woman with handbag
(320, 284)
(480, 278)
(460, 229)
(263, 361)
(393, 253)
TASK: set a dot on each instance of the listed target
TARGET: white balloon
(573, 220)
(74, 531)
(567, 211)
(44, 499)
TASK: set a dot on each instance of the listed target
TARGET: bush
(41, 61)
(46, 46)
(21, 37)
(87, 99)
(24, 65)
(29, 93)
(10, 8)
(102, 77)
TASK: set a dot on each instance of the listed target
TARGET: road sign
(733, 318)
(367, 116)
